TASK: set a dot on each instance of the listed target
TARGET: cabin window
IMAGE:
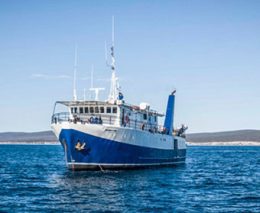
(81, 110)
(75, 110)
(71, 109)
(96, 110)
(108, 109)
(91, 109)
(114, 109)
(102, 110)
(145, 116)
(86, 109)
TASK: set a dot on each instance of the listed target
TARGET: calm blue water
(214, 179)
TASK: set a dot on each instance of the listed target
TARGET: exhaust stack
(169, 118)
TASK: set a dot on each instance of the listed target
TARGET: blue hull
(100, 153)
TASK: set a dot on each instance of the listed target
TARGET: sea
(34, 178)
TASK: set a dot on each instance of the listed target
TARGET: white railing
(107, 120)
(91, 119)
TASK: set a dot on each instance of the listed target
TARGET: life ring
(142, 126)
(127, 119)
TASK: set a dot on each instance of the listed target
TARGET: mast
(75, 73)
(114, 86)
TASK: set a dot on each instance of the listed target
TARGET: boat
(113, 134)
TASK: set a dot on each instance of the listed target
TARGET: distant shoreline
(230, 143)
(29, 143)
(245, 137)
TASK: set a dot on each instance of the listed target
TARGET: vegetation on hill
(229, 136)
(46, 136)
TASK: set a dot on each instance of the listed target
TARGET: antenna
(75, 73)
(91, 77)
(96, 90)
(113, 31)
(92, 88)
(84, 94)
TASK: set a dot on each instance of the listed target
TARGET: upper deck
(118, 114)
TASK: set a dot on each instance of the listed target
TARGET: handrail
(106, 119)
(91, 118)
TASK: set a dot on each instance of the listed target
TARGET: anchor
(80, 146)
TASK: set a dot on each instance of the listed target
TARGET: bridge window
(114, 109)
(91, 109)
(71, 109)
(102, 110)
(86, 109)
(96, 110)
(75, 110)
(145, 116)
(81, 110)
(108, 109)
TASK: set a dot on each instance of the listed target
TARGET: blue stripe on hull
(111, 154)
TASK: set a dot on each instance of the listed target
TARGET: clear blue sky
(208, 50)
